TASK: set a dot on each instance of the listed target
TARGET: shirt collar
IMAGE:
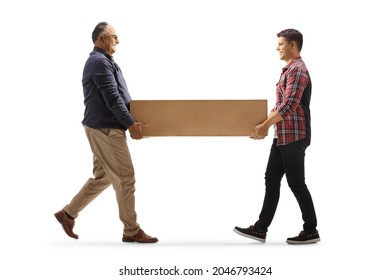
(292, 61)
(97, 49)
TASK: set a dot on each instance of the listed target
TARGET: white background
(192, 191)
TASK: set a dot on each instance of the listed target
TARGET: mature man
(106, 119)
(291, 117)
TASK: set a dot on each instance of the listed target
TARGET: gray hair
(99, 29)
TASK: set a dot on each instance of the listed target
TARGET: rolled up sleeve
(296, 81)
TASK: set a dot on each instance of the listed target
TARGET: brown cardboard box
(199, 117)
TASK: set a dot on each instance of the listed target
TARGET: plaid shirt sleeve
(289, 91)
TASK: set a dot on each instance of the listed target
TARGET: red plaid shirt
(289, 92)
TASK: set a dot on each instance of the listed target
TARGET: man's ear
(293, 45)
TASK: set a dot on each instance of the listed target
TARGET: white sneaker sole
(249, 236)
(304, 242)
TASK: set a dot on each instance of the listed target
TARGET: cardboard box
(199, 117)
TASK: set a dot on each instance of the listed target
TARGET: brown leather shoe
(140, 237)
(67, 223)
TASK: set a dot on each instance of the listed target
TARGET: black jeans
(290, 160)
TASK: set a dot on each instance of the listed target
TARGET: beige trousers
(111, 165)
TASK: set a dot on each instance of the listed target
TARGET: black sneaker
(304, 238)
(251, 233)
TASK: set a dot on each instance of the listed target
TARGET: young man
(106, 119)
(291, 119)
